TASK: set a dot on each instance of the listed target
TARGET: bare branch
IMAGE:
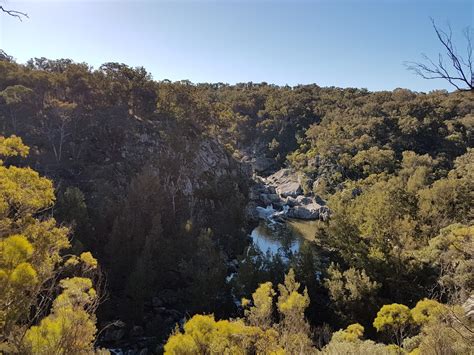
(468, 37)
(462, 69)
(18, 14)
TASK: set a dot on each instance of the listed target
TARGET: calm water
(283, 237)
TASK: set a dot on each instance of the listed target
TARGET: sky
(344, 43)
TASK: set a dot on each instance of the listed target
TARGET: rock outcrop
(281, 195)
(286, 183)
(469, 307)
(304, 208)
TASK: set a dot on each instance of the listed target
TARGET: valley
(149, 210)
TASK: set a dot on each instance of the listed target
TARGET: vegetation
(259, 331)
(256, 332)
(149, 176)
(33, 267)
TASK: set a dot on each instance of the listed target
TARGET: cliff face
(198, 182)
(142, 184)
(102, 157)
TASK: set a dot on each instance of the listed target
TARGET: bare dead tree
(451, 66)
(18, 14)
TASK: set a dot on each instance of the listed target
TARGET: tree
(449, 330)
(352, 293)
(16, 97)
(256, 333)
(446, 201)
(57, 126)
(69, 328)
(459, 71)
(336, 347)
(451, 254)
(206, 275)
(349, 341)
(374, 160)
(293, 328)
(260, 314)
(352, 333)
(427, 311)
(32, 260)
(204, 335)
(394, 319)
(72, 209)
(139, 218)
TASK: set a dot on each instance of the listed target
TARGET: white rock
(286, 183)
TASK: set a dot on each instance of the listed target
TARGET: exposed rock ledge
(281, 196)
(285, 182)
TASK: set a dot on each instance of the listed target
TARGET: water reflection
(285, 238)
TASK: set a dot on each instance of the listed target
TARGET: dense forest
(124, 216)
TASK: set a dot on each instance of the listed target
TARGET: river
(284, 237)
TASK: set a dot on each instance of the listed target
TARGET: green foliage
(452, 334)
(349, 341)
(352, 293)
(69, 328)
(441, 329)
(202, 334)
(374, 161)
(15, 249)
(395, 167)
(16, 94)
(386, 224)
(427, 311)
(352, 333)
(24, 191)
(392, 316)
(260, 314)
(26, 261)
(89, 260)
(446, 201)
(356, 348)
(72, 206)
(373, 228)
(416, 170)
(206, 270)
(12, 146)
(54, 333)
(291, 303)
(293, 328)
(23, 276)
(451, 252)
(30, 264)
(394, 319)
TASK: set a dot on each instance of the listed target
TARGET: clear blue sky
(351, 43)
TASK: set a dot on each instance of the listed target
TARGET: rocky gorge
(274, 202)
(280, 196)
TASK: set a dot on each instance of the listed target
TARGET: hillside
(160, 181)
